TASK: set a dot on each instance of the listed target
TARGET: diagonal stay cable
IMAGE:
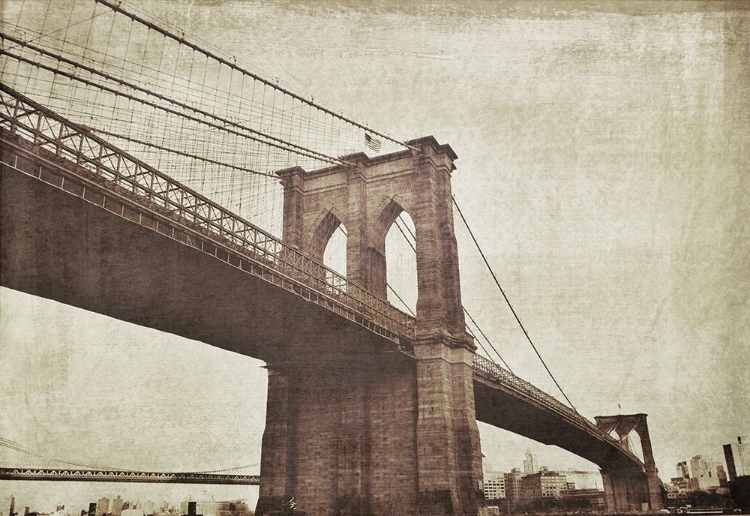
(518, 320)
(488, 340)
(402, 301)
(181, 153)
(234, 66)
(273, 141)
(166, 109)
(413, 236)
(479, 343)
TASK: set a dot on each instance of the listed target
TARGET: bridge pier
(337, 437)
(625, 491)
(447, 436)
(375, 435)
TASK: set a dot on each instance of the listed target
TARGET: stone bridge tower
(378, 433)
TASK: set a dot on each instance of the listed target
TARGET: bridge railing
(495, 373)
(89, 475)
(125, 175)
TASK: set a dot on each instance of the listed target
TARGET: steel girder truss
(152, 198)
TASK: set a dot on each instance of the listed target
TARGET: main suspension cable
(518, 320)
(409, 241)
(257, 136)
(234, 66)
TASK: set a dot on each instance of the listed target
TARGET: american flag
(372, 143)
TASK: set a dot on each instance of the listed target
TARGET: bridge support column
(275, 459)
(381, 435)
(340, 437)
(449, 455)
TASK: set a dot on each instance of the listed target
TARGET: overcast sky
(603, 166)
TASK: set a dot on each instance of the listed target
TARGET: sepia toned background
(603, 165)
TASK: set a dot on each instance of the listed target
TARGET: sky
(602, 166)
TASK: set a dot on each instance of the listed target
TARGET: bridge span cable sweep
(74, 154)
(193, 112)
(502, 291)
(215, 130)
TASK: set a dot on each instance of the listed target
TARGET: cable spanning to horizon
(7, 443)
(412, 243)
(513, 311)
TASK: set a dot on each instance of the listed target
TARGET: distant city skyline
(74, 500)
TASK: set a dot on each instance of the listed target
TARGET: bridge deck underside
(61, 247)
(502, 408)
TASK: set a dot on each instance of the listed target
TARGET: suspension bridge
(152, 178)
(20, 463)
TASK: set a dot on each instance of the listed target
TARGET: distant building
(513, 485)
(583, 479)
(492, 510)
(102, 506)
(703, 474)
(117, 506)
(545, 484)
(737, 456)
(593, 497)
(721, 475)
(216, 508)
(528, 464)
(678, 488)
(682, 470)
(494, 486)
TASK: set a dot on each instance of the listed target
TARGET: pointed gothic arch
(370, 193)
(325, 229)
(389, 212)
(395, 235)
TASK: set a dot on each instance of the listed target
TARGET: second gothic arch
(324, 229)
